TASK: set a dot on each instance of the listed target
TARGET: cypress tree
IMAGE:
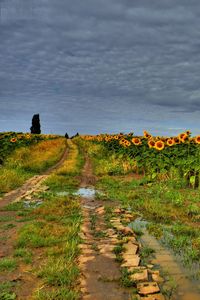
(35, 128)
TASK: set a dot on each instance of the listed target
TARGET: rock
(130, 248)
(140, 274)
(156, 276)
(149, 266)
(118, 211)
(131, 261)
(100, 210)
(129, 216)
(133, 240)
(106, 248)
(148, 288)
(127, 231)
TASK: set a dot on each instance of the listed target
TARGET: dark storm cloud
(107, 65)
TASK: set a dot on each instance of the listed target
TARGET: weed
(25, 254)
(58, 294)
(8, 226)
(145, 254)
(7, 264)
(125, 278)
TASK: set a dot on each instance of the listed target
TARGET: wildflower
(13, 140)
(197, 139)
(151, 143)
(136, 141)
(159, 145)
(170, 142)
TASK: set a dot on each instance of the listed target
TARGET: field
(99, 217)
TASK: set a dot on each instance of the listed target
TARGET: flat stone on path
(148, 288)
(140, 274)
(131, 261)
(131, 248)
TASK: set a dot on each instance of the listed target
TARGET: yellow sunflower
(159, 145)
(136, 141)
(147, 135)
(13, 140)
(197, 139)
(182, 137)
(151, 143)
(170, 142)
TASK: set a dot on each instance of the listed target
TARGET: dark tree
(35, 128)
(66, 135)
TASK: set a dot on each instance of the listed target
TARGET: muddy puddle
(87, 192)
(178, 285)
(32, 204)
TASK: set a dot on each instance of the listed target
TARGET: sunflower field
(9, 141)
(157, 157)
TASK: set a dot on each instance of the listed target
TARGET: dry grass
(28, 161)
(70, 166)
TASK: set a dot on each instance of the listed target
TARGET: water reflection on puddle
(86, 192)
(83, 192)
(32, 204)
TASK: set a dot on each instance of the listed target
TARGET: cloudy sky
(100, 65)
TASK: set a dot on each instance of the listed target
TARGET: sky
(98, 66)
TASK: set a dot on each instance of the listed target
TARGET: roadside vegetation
(27, 160)
(47, 242)
(170, 206)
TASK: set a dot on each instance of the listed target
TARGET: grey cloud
(100, 64)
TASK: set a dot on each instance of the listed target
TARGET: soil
(100, 279)
(23, 274)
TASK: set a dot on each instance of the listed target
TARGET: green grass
(6, 291)
(7, 226)
(52, 228)
(24, 254)
(27, 161)
(7, 264)
(6, 218)
(59, 294)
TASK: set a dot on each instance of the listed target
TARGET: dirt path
(30, 184)
(10, 224)
(101, 262)
(100, 272)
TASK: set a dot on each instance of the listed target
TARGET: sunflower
(197, 139)
(147, 135)
(13, 140)
(128, 144)
(136, 141)
(182, 137)
(176, 140)
(151, 143)
(170, 142)
(159, 145)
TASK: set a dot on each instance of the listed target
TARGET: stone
(129, 216)
(100, 210)
(106, 248)
(130, 248)
(140, 274)
(127, 231)
(149, 266)
(118, 211)
(146, 288)
(131, 261)
(156, 276)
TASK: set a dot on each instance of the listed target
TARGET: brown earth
(100, 273)
(24, 273)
